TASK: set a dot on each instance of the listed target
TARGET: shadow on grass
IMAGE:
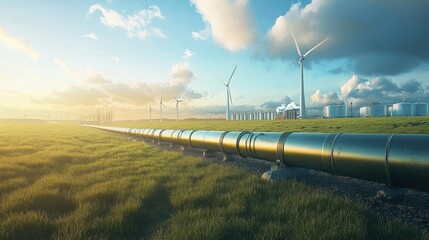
(153, 213)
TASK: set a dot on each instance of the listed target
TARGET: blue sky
(69, 59)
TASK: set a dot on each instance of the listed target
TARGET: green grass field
(359, 125)
(64, 181)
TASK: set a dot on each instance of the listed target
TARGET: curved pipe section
(400, 160)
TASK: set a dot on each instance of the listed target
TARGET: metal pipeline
(398, 160)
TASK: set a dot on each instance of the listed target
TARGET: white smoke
(284, 107)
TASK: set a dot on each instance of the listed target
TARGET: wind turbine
(150, 113)
(303, 110)
(177, 107)
(161, 104)
(228, 96)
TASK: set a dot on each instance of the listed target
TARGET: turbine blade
(232, 74)
(174, 96)
(220, 79)
(309, 51)
(296, 43)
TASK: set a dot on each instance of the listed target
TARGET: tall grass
(63, 181)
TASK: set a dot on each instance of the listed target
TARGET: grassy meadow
(64, 181)
(418, 125)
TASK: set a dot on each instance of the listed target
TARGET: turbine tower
(150, 113)
(177, 107)
(228, 96)
(303, 110)
(161, 104)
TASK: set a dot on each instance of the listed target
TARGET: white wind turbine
(150, 113)
(303, 110)
(228, 96)
(161, 104)
(177, 107)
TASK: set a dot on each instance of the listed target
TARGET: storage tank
(378, 110)
(335, 111)
(373, 110)
(403, 109)
(363, 111)
(420, 109)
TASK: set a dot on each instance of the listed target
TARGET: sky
(66, 59)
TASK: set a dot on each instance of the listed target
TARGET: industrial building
(405, 108)
(270, 115)
(335, 111)
(373, 110)
(420, 109)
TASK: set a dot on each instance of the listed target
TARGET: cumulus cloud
(17, 44)
(140, 93)
(77, 96)
(188, 54)
(272, 104)
(203, 34)
(189, 93)
(136, 25)
(98, 90)
(362, 91)
(318, 99)
(412, 86)
(229, 22)
(91, 36)
(94, 77)
(378, 37)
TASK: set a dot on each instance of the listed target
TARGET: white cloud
(229, 21)
(14, 43)
(136, 25)
(351, 84)
(363, 91)
(202, 35)
(198, 35)
(318, 99)
(188, 54)
(94, 77)
(140, 93)
(180, 74)
(91, 36)
(77, 96)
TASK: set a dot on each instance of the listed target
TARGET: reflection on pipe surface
(399, 160)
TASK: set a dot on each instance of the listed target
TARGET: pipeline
(397, 160)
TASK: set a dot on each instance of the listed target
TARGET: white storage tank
(378, 110)
(334, 111)
(420, 109)
(403, 109)
(374, 110)
(364, 111)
